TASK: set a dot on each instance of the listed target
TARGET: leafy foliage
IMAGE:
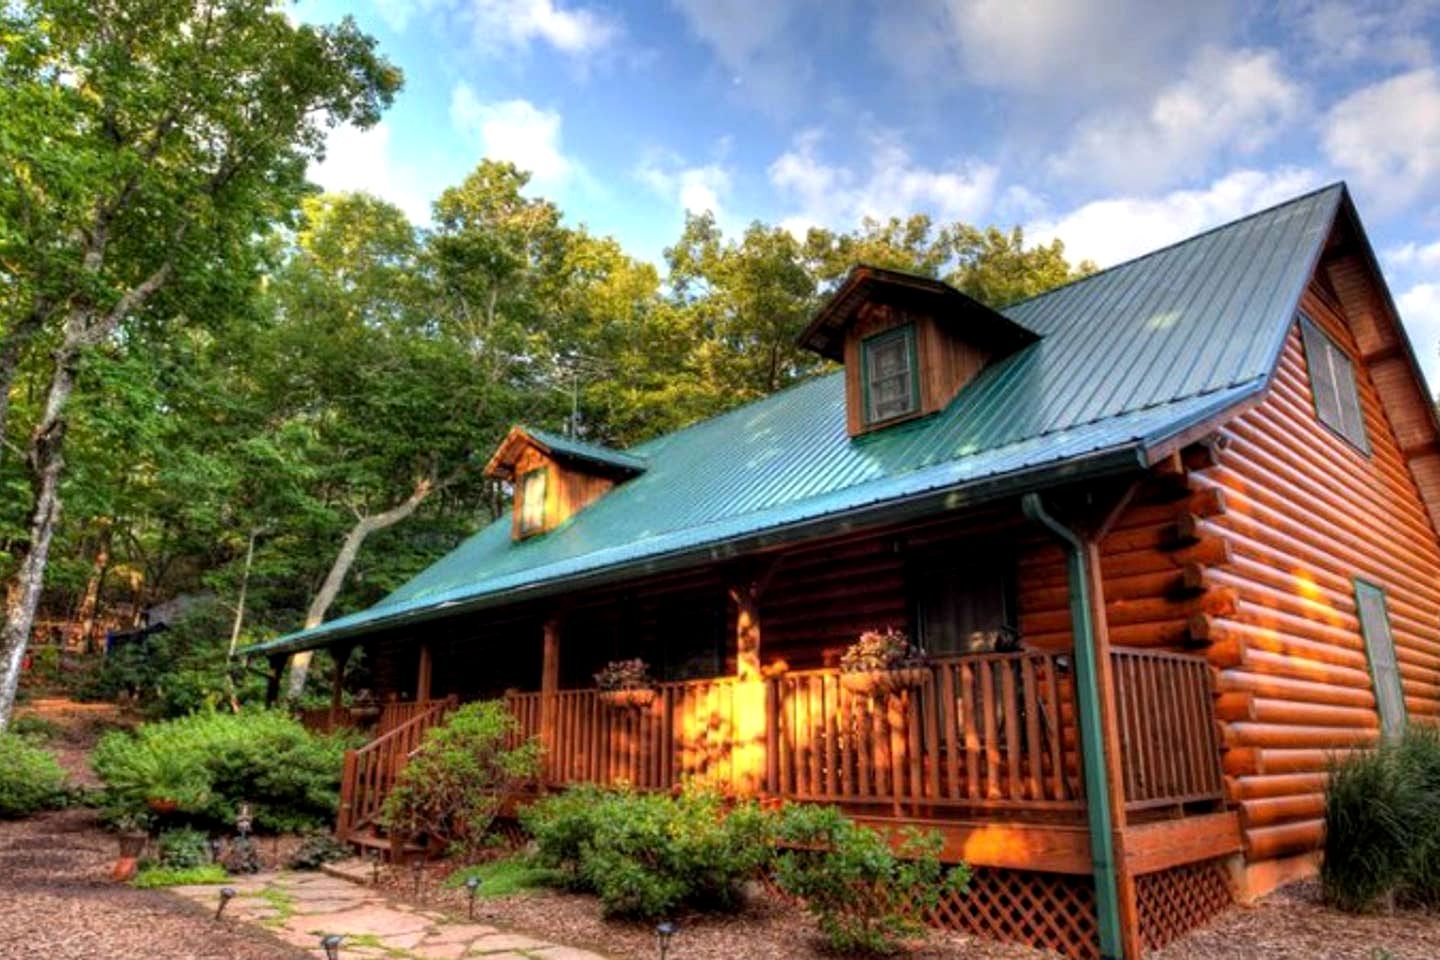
(504, 877)
(151, 877)
(31, 779)
(463, 772)
(183, 848)
(646, 855)
(211, 763)
(888, 649)
(317, 849)
(1382, 825)
(864, 895)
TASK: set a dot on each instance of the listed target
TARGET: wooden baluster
(830, 686)
(986, 681)
(1034, 752)
(849, 752)
(1011, 721)
(952, 730)
(881, 733)
(913, 703)
(930, 704)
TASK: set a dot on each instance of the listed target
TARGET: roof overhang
(972, 320)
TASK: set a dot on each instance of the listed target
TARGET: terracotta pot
(163, 805)
(879, 683)
(634, 698)
(125, 869)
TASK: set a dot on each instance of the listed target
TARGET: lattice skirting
(1048, 910)
(1176, 901)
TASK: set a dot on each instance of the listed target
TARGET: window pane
(889, 374)
(1380, 648)
(532, 501)
(1332, 380)
(961, 608)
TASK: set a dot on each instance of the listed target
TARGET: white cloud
(513, 24)
(891, 184)
(1420, 310)
(754, 41)
(693, 188)
(360, 161)
(1414, 255)
(1387, 137)
(1226, 100)
(513, 130)
(1115, 229)
(1355, 31)
(1045, 47)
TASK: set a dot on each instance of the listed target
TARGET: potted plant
(881, 662)
(626, 683)
(131, 831)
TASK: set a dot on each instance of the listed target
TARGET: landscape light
(331, 944)
(226, 895)
(663, 932)
(472, 886)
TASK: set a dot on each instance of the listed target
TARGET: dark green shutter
(1332, 381)
(1380, 649)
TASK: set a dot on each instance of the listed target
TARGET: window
(892, 388)
(1380, 650)
(1332, 379)
(532, 501)
(966, 607)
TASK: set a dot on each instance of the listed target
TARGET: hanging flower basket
(634, 698)
(881, 662)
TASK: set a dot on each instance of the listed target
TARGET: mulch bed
(57, 901)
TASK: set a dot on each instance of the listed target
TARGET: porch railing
(369, 772)
(986, 731)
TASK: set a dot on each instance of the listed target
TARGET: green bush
(864, 895)
(316, 850)
(645, 855)
(183, 848)
(211, 763)
(31, 779)
(35, 727)
(455, 784)
(1382, 825)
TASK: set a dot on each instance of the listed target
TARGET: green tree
(144, 142)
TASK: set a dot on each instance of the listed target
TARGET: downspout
(1092, 739)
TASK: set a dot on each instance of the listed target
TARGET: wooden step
(370, 840)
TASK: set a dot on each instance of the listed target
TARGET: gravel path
(57, 901)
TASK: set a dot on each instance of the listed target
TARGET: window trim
(521, 481)
(1311, 333)
(905, 332)
(1360, 586)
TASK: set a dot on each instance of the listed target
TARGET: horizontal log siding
(821, 601)
(1305, 513)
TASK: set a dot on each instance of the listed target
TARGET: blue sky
(1116, 125)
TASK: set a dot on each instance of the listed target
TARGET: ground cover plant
(208, 764)
(1382, 825)
(31, 779)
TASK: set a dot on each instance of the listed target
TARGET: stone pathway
(302, 907)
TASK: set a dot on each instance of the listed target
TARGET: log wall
(1304, 513)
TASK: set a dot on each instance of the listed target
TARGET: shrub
(36, 728)
(454, 785)
(318, 849)
(645, 855)
(150, 877)
(31, 779)
(183, 848)
(1382, 825)
(211, 763)
(864, 895)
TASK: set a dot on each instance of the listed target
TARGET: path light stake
(418, 866)
(226, 895)
(331, 944)
(663, 932)
(243, 820)
(472, 886)
(374, 868)
(215, 849)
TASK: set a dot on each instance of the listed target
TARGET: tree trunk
(46, 463)
(335, 578)
(90, 603)
(239, 621)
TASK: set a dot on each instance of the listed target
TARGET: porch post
(752, 709)
(422, 680)
(1115, 904)
(341, 654)
(272, 681)
(549, 686)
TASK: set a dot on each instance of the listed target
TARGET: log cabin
(1197, 492)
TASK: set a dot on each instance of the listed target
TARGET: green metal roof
(1127, 359)
(563, 447)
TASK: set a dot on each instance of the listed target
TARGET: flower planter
(131, 846)
(163, 805)
(635, 698)
(879, 683)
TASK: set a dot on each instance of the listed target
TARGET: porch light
(472, 887)
(226, 895)
(331, 945)
(663, 932)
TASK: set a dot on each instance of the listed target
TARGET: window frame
(1373, 634)
(905, 332)
(523, 482)
(1314, 339)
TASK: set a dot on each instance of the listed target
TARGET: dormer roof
(592, 457)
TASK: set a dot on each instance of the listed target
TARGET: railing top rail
(1144, 653)
(423, 715)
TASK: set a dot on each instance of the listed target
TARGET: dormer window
(892, 384)
(532, 501)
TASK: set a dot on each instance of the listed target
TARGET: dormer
(908, 343)
(555, 477)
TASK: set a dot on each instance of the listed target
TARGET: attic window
(532, 501)
(1332, 380)
(892, 385)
